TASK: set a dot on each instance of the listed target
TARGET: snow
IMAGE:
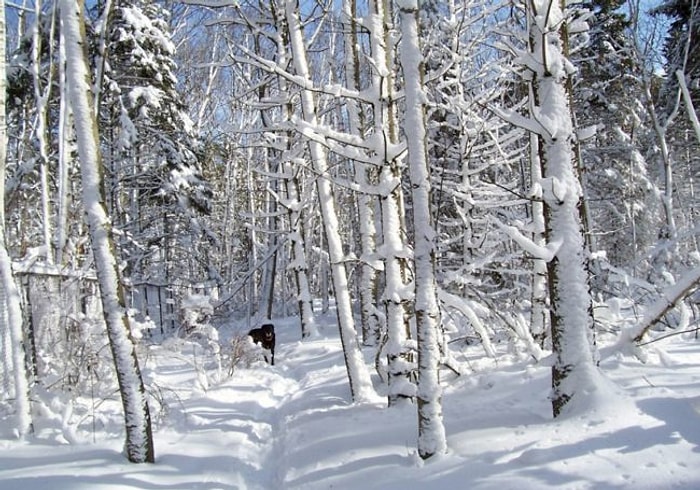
(543, 252)
(292, 426)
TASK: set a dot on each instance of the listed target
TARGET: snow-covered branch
(670, 297)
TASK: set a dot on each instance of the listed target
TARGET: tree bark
(369, 316)
(393, 249)
(139, 439)
(570, 313)
(360, 384)
(431, 431)
(538, 311)
(42, 94)
(11, 293)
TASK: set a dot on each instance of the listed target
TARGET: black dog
(265, 336)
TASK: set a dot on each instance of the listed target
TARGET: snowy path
(236, 429)
(249, 432)
(292, 427)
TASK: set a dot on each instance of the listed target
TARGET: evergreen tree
(681, 148)
(681, 48)
(618, 192)
(155, 187)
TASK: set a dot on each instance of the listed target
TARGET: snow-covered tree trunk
(139, 439)
(252, 240)
(299, 264)
(295, 200)
(267, 297)
(6, 365)
(369, 317)
(11, 296)
(107, 7)
(393, 249)
(573, 371)
(65, 148)
(431, 431)
(666, 170)
(689, 106)
(41, 129)
(360, 384)
(538, 310)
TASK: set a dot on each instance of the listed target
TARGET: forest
(432, 179)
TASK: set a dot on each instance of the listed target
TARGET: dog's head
(268, 331)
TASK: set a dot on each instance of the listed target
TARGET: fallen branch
(670, 297)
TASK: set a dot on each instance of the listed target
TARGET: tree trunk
(299, 265)
(393, 250)
(360, 384)
(570, 314)
(11, 296)
(64, 160)
(139, 439)
(293, 190)
(431, 431)
(41, 130)
(538, 311)
(369, 317)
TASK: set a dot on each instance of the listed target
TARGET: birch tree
(139, 439)
(675, 134)
(41, 128)
(292, 174)
(65, 164)
(360, 384)
(393, 249)
(431, 431)
(364, 175)
(11, 298)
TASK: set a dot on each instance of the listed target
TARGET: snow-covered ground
(291, 426)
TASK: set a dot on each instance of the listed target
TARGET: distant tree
(681, 48)
(676, 130)
(608, 97)
(32, 101)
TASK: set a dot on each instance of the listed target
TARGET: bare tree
(360, 384)
(41, 128)
(394, 249)
(364, 175)
(431, 431)
(139, 438)
(10, 294)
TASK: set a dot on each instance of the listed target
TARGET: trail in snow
(243, 420)
(240, 420)
(246, 432)
(292, 427)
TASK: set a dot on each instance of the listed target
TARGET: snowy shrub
(195, 313)
(242, 352)
(195, 316)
